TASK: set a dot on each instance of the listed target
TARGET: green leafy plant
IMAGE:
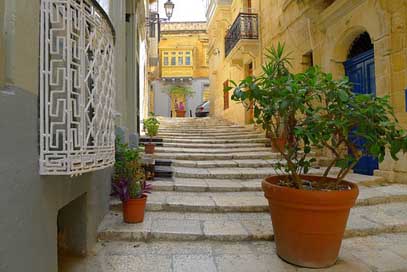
(311, 109)
(128, 180)
(151, 126)
(179, 91)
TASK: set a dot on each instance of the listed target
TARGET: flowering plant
(129, 181)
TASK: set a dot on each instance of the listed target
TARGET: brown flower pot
(133, 210)
(278, 144)
(149, 148)
(180, 113)
(308, 225)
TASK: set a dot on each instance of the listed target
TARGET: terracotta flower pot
(308, 225)
(149, 148)
(133, 210)
(180, 113)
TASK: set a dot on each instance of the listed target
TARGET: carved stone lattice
(77, 89)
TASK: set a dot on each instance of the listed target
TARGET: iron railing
(245, 26)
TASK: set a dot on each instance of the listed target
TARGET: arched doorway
(360, 69)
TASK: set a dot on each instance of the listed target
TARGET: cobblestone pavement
(212, 215)
(382, 253)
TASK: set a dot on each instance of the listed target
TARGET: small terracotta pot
(133, 210)
(180, 113)
(308, 225)
(277, 143)
(149, 148)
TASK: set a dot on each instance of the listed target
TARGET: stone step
(233, 172)
(212, 140)
(207, 157)
(159, 149)
(247, 185)
(226, 164)
(186, 226)
(206, 145)
(223, 202)
(223, 173)
(206, 185)
(233, 134)
(205, 131)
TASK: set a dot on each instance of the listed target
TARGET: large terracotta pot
(133, 210)
(180, 113)
(308, 225)
(149, 148)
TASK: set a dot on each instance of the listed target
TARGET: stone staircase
(215, 191)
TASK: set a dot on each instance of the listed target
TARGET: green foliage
(312, 109)
(129, 175)
(180, 91)
(151, 126)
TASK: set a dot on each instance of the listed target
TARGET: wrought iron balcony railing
(244, 27)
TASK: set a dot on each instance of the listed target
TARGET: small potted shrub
(129, 183)
(309, 211)
(151, 126)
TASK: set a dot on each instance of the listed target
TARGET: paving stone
(241, 203)
(188, 203)
(225, 231)
(194, 263)
(173, 229)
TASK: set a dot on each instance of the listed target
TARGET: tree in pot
(179, 92)
(309, 212)
(129, 183)
(151, 126)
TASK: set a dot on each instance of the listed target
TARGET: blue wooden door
(361, 73)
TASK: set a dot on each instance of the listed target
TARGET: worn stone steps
(212, 140)
(209, 145)
(227, 164)
(204, 130)
(214, 156)
(242, 185)
(160, 149)
(186, 226)
(192, 135)
(223, 202)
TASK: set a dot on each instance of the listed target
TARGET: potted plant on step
(179, 92)
(151, 126)
(309, 211)
(129, 183)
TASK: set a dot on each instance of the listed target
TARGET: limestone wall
(327, 29)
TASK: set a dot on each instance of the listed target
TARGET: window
(180, 61)
(165, 61)
(187, 60)
(225, 95)
(173, 61)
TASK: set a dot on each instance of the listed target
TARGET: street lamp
(169, 8)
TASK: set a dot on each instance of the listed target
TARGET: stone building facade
(327, 33)
(44, 215)
(182, 63)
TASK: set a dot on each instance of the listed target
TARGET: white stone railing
(77, 88)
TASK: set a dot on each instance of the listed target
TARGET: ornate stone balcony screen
(244, 27)
(77, 88)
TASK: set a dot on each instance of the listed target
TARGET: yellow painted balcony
(242, 38)
(177, 71)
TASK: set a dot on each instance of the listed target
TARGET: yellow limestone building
(183, 63)
(363, 39)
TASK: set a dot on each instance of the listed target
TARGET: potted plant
(179, 92)
(129, 183)
(309, 212)
(151, 126)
